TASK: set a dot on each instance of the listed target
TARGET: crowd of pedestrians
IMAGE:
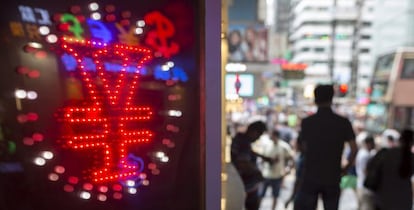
(327, 154)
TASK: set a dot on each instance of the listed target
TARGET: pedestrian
(274, 172)
(365, 153)
(322, 138)
(298, 174)
(244, 160)
(394, 169)
(349, 180)
(286, 133)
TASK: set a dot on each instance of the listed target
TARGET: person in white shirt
(273, 171)
(365, 153)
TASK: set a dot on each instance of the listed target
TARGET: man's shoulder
(363, 152)
(238, 136)
(342, 118)
(308, 118)
(237, 139)
(283, 144)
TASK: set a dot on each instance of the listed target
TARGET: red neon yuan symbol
(110, 122)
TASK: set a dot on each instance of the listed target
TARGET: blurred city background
(276, 51)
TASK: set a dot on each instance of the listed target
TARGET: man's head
(323, 95)
(392, 142)
(369, 142)
(256, 129)
(275, 136)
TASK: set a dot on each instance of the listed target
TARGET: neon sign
(108, 120)
(158, 37)
(103, 103)
(111, 109)
(175, 73)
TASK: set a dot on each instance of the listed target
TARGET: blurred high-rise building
(393, 26)
(325, 34)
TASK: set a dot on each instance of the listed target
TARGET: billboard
(247, 43)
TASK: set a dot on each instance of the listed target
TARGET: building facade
(393, 26)
(349, 22)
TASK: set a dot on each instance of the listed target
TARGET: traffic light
(343, 90)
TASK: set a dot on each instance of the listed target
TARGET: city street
(348, 200)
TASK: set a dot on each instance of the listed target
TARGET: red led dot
(103, 189)
(64, 27)
(29, 49)
(73, 180)
(143, 176)
(59, 169)
(125, 22)
(171, 145)
(117, 187)
(53, 177)
(110, 8)
(87, 186)
(75, 9)
(32, 116)
(34, 74)
(117, 196)
(28, 141)
(110, 18)
(68, 188)
(57, 17)
(80, 18)
(126, 14)
(37, 137)
(152, 166)
(170, 82)
(102, 197)
(166, 141)
(22, 118)
(155, 171)
(22, 70)
(41, 54)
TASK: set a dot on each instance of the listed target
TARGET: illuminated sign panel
(292, 71)
(241, 84)
(104, 94)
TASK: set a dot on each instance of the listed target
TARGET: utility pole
(355, 51)
(333, 38)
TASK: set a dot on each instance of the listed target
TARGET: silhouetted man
(244, 160)
(322, 137)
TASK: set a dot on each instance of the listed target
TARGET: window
(383, 67)
(319, 49)
(320, 63)
(364, 50)
(365, 37)
(366, 24)
(408, 69)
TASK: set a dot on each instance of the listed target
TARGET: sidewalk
(348, 199)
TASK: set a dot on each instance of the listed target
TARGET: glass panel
(376, 118)
(400, 117)
(383, 67)
(408, 69)
(101, 103)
